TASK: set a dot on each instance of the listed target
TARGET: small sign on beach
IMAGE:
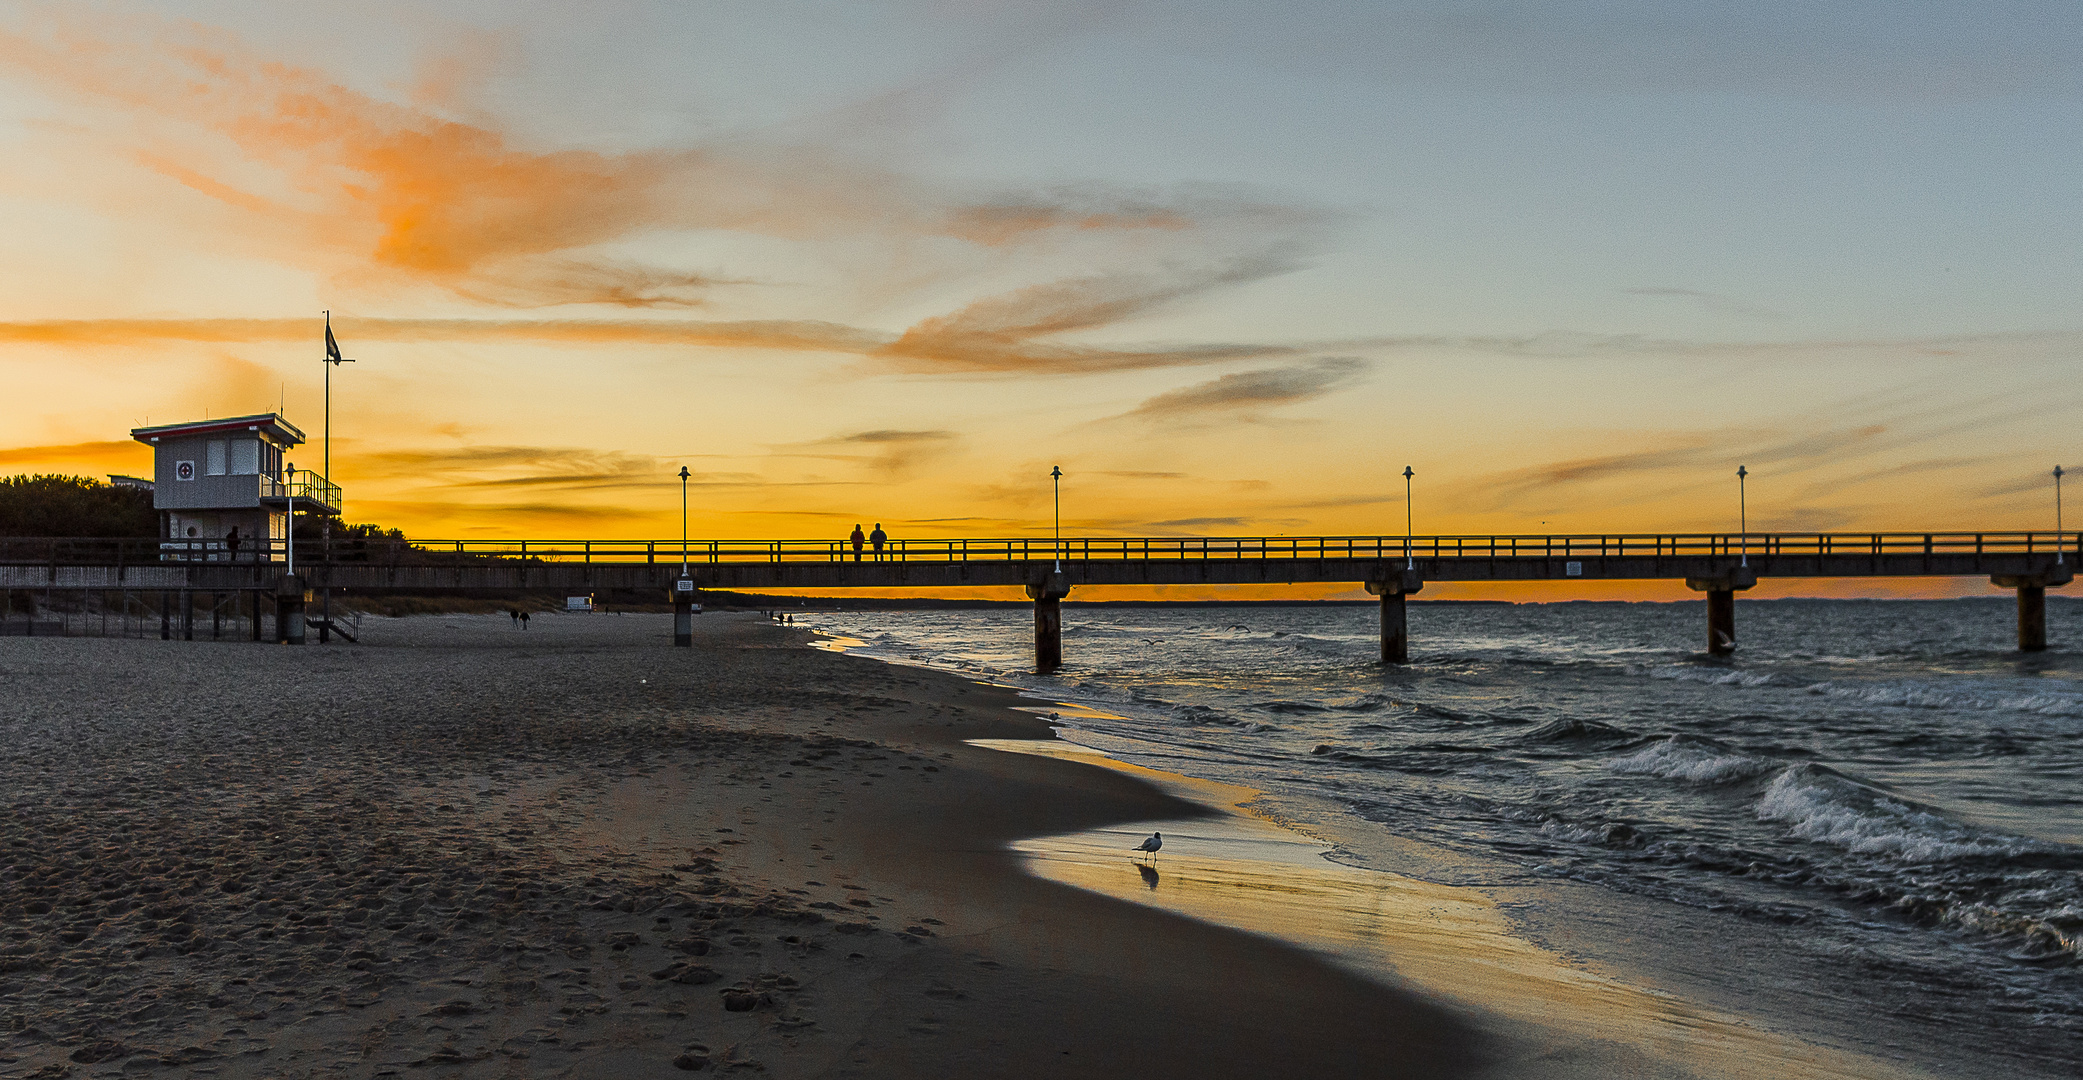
(683, 585)
(1575, 569)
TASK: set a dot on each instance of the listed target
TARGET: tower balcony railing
(306, 487)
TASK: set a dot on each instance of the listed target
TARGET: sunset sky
(1231, 265)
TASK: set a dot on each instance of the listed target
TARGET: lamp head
(2057, 474)
(683, 474)
(1407, 474)
(1056, 471)
(1741, 472)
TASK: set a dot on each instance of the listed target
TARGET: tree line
(82, 507)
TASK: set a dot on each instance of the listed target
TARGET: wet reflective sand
(1554, 1016)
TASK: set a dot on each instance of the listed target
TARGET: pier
(1719, 565)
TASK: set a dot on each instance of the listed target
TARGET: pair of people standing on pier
(878, 538)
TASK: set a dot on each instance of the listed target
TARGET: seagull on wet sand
(1151, 845)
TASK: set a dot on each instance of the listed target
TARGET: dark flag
(332, 348)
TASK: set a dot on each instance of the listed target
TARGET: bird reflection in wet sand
(1149, 874)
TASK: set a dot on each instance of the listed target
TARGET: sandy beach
(464, 849)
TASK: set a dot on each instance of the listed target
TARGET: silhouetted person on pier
(858, 538)
(231, 543)
(878, 537)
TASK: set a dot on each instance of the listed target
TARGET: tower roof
(269, 426)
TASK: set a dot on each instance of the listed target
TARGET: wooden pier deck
(1717, 564)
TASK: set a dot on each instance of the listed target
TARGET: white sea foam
(1912, 695)
(1714, 676)
(1821, 806)
(1690, 760)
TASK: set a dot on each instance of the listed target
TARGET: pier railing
(426, 552)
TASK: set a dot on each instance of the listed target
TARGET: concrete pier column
(683, 613)
(1393, 586)
(1721, 590)
(254, 595)
(2032, 601)
(1395, 630)
(166, 615)
(2032, 618)
(1048, 621)
(289, 610)
(1721, 622)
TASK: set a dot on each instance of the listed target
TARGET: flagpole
(332, 356)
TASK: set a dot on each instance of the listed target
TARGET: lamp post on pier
(289, 528)
(683, 588)
(2060, 551)
(289, 591)
(1408, 562)
(1743, 511)
(1056, 477)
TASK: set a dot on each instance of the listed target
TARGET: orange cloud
(416, 196)
(122, 455)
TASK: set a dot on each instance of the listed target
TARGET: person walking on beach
(877, 538)
(857, 538)
(524, 620)
(515, 615)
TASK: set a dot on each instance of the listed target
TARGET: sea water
(1866, 826)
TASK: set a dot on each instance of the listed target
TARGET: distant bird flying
(1151, 845)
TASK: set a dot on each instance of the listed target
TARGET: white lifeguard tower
(224, 491)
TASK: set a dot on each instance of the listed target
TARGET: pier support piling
(1048, 621)
(1721, 622)
(2032, 602)
(1392, 587)
(289, 610)
(2032, 618)
(1721, 591)
(166, 615)
(683, 613)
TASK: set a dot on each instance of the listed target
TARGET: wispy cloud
(1706, 301)
(1012, 332)
(1246, 393)
(890, 452)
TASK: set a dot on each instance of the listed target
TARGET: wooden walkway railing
(73, 552)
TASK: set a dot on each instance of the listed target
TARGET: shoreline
(1681, 1006)
(574, 851)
